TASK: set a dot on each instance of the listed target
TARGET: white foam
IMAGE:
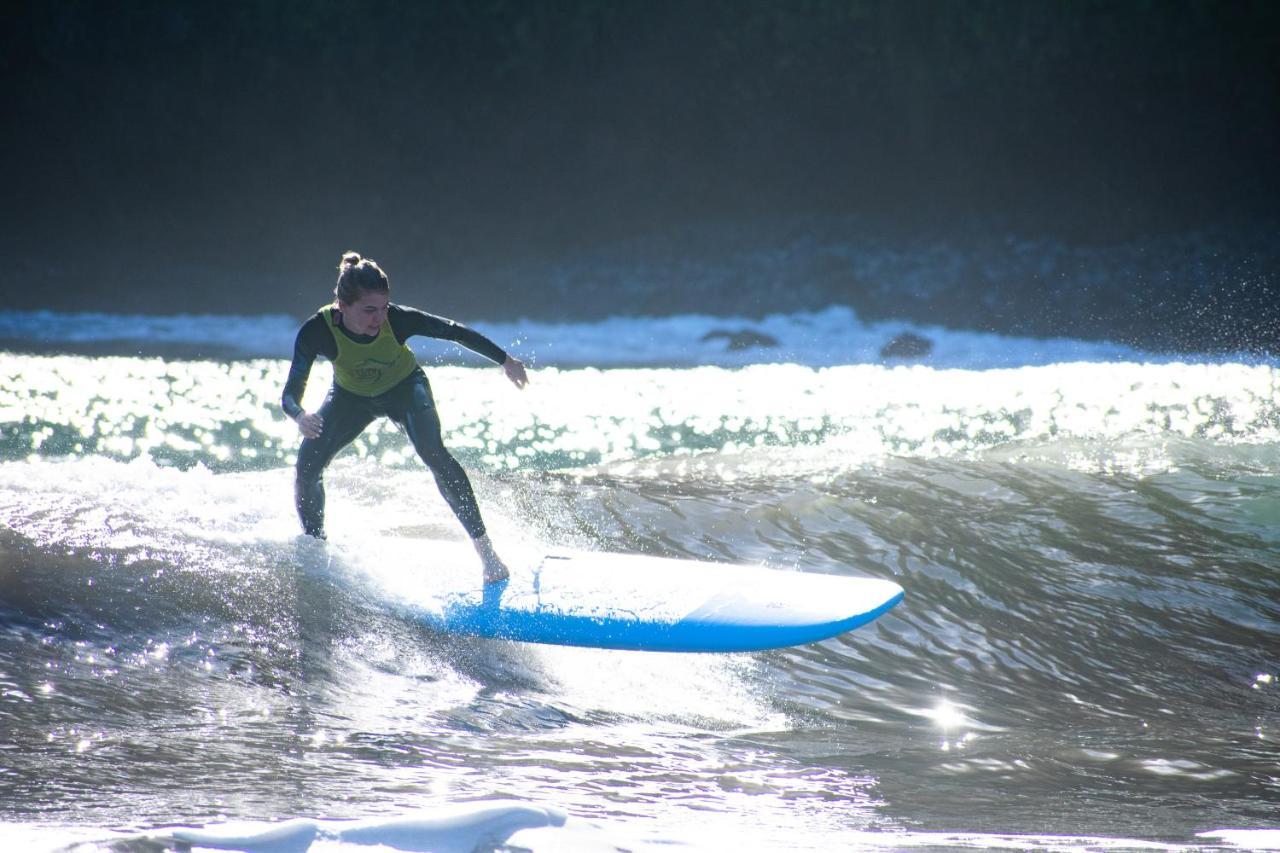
(1251, 839)
(459, 829)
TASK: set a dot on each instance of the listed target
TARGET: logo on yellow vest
(370, 370)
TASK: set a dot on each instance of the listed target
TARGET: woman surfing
(376, 375)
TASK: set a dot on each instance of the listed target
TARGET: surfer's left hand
(514, 368)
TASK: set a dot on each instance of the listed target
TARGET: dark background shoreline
(1093, 169)
(1207, 291)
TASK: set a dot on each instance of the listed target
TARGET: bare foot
(494, 569)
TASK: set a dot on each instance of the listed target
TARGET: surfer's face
(365, 315)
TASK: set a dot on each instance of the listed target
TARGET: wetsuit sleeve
(311, 341)
(406, 322)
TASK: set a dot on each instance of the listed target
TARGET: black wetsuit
(409, 404)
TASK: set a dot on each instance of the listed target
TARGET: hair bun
(356, 275)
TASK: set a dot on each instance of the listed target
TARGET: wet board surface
(618, 601)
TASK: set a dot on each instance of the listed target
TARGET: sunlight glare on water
(227, 415)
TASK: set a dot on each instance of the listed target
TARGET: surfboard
(638, 602)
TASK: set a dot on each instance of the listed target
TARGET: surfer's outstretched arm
(407, 322)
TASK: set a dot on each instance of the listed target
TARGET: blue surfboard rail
(747, 609)
(487, 618)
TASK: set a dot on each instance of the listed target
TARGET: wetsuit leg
(344, 419)
(416, 412)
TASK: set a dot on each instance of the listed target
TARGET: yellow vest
(373, 368)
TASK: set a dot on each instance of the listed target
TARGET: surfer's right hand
(514, 368)
(310, 425)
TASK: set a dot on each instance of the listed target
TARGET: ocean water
(1087, 657)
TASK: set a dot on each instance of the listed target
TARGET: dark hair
(356, 274)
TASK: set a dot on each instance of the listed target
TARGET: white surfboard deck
(617, 601)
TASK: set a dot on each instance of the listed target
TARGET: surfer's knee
(424, 432)
(437, 458)
(308, 469)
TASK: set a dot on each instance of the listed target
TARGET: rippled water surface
(1088, 644)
